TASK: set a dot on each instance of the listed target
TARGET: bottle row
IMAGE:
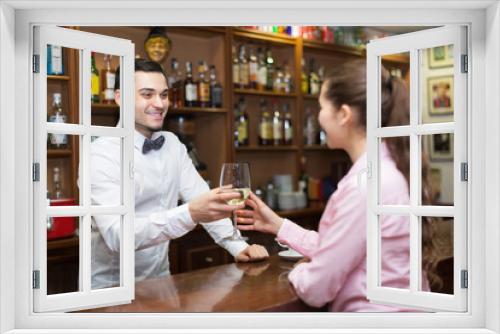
(351, 36)
(187, 91)
(255, 68)
(275, 126)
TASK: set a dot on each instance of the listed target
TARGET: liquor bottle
(265, 125)
(304, 80)
(203, 85)
(94, 83)
(279, 78)
(277, 125)
(235, 133)
(236, 69)
(287, 78)
(310, 128)
(253, 68)
(58, 141)
(190, 87)
(262, 71)
(322, 137)
(215, 89)
(108, 81)
(242, 123)
(321, 76)
(57, 192)
(54, 60)
(175, 91)
(287, 125)
(314, 86)
(304, 178)
(270, 69)
(244, 68)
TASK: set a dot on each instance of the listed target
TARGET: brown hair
(347, 85)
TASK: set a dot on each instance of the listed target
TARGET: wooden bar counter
(236, 287)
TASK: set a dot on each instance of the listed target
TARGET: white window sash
(85, 297)
(412, 43)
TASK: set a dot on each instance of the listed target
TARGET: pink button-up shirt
(336, 273)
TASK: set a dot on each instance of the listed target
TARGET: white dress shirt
(162, 177)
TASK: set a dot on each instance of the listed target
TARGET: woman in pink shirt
(335, 269)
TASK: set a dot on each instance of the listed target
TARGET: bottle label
(55, 60)
(266, 130)
(262, 76)
(315, 87)
(244, 74)
(242, 132)
(95, 84)
(204, 92)
(109, 94)
(236, 74)
(288, 134)
(191, 93)
(277, 130)
(110, 80)
(253, 72)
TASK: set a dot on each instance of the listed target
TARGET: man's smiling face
(151, 101)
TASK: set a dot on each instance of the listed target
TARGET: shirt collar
(139, 138)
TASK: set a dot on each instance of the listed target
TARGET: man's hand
(213, 205)
(252, 253)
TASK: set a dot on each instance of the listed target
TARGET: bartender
(164, 174)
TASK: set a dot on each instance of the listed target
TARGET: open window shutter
(439, 50)
(83, 44)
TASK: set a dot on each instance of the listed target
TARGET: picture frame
(441, 147)
(440, 95)
(441, 56)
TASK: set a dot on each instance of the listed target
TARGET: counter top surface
(235, 287)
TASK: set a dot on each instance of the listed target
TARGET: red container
(61, 227)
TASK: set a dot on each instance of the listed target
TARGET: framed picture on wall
(440, 95)
(441, 147)
(441, 56)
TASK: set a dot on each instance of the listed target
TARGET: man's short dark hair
(142, 65)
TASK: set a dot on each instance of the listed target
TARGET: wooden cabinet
(213, 127)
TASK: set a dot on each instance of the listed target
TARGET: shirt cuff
(234, 247)
(287, 231)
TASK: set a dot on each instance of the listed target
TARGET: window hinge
(465, 66)
(464, 171)
(36, 279)
(464, 279)
(36, 172)
(36, 63)
(131, 170)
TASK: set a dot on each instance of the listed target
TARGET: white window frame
(414, 43)
(85, 43)
(484, 212)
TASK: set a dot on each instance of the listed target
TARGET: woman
(335, 272)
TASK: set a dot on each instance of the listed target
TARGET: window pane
(394, 168)
(395, 251)
(63, 254)
(105, 112)
(62, 178)
(62, 85)
(106, 186)
(437, 254)
(105, 257)
(437, 169)
(395, 81)
(436, 73)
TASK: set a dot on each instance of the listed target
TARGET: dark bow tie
(150, 144)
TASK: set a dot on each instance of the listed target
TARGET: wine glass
(237, 175)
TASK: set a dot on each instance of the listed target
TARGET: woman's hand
(261, 218)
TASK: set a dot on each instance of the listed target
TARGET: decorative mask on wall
(157, 45)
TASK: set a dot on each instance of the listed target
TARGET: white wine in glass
(238, 176)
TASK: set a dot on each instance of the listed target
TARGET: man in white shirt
(164, 173)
